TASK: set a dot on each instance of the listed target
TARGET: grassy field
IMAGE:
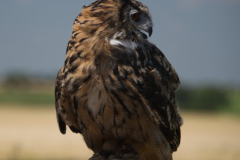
(30, 132)
(206, 99)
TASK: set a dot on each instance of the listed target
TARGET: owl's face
(136, 18)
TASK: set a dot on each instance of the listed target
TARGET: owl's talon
(128, 153)
(97, 157)
(105, 155)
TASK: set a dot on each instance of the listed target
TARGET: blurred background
(201, 38)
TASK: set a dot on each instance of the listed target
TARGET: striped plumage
(116, 87)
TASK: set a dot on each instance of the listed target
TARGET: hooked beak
(150, 30)
(147, 28)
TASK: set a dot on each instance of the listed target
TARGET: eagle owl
(116, 88)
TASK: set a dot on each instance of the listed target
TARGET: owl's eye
(135, 16)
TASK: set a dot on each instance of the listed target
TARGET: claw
(128, 153)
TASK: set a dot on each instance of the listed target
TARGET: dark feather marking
(90, 114)
(57, 93)
(104, 7)
(121, 17)
(73, 68)
(85, 103)
(133, 97)
(87, 78)
(99, 111)
(83, 22)
(79, 53)
(76, 21)
(93, 31)
(75, 105)
(86, 6)
(68, 82)
(68, 47)
(125, 73)
(160, 69)
(83, 39)
(75, 35)
(97, 59)
(58, 89)
(83, 124)
(124, 87)
(63, 110)
(136, 71)
(138, 86)
(142, 56)
(73, 58)
(92, 143)
(78, 82)
(115, 70)
(111, 24)
(120, 101)
(72, 43)
(111, 79)
(77, 46)
(115, 111)
(66, 61)
(74, 129)
(100, 13)
(104, 84)
(103, 109)
(113, 100)
(96, 3)
(153, 93)
(75, 85)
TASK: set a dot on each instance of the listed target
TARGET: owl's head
(135, 16)
(119, 19)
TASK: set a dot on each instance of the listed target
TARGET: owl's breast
(96, 97)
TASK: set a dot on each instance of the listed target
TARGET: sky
(201, 38)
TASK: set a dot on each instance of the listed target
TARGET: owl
(116, 88)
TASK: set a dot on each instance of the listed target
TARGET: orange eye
(135, 16)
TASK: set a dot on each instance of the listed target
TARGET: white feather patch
(125, 43)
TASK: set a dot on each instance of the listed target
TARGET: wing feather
(63, 105)
(160, 82)
(162, 61)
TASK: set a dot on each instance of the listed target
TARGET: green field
(201, 99)
(32, 93)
